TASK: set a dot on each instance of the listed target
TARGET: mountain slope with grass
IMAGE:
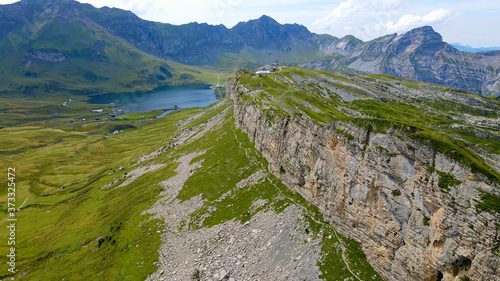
(409, 169)
(50, 47)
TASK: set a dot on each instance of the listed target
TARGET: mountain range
(467, 48)
(66, 45)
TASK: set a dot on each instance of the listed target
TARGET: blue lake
(182, 96)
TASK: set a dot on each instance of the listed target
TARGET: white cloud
(349, 8)
(407, 22)
(344, 10)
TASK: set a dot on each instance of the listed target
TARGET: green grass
(446, 180)
(101, 232)
(396, 193)
(490, 203)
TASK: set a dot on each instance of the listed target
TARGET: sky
(473, 23)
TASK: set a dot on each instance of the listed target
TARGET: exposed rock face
(377, 189)
(46, 56)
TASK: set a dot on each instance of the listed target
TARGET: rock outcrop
(380, 190)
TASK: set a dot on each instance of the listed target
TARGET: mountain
(203, 44)
(418, 54)
(467, 48)
(52, 47)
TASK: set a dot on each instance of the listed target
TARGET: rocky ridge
(384, 189)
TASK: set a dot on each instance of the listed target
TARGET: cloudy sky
(473, 23)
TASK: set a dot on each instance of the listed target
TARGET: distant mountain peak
(267, 18)
(45, 2)
(425, 28)
(424, 36)
(469, 49)
(426, 31)
(264, 20)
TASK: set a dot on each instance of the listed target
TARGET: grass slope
(62, 56)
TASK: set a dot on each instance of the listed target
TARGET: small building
(71, 121)
(125, 118)
(263, 72)
(97, 110)
(97, 119)
(142, 117)
(116, 132)
(84, 120)
(55, 115)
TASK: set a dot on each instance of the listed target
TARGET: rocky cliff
(418, 212)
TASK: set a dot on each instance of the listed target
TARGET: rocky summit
(418, 54)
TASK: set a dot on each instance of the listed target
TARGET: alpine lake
(166, 98)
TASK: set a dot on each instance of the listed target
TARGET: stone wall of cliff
(386, 191)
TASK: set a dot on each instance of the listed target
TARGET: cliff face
(379, 189)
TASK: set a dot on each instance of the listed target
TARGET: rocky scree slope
(398, 165)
